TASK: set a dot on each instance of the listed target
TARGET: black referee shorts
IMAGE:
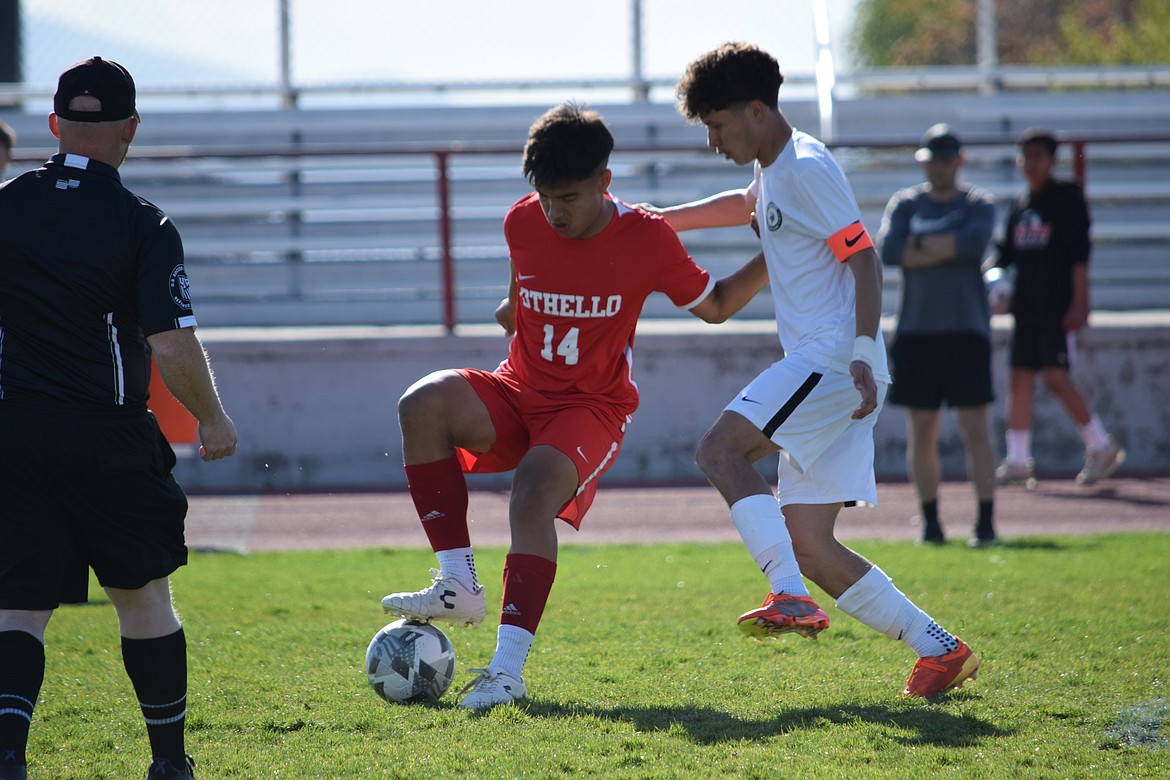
(935, 368)
(79, 491)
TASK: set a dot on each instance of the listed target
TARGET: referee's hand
(217, 438)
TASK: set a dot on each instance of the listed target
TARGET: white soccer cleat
(446, 600)
(492, 688)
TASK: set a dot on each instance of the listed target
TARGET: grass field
(639, 671)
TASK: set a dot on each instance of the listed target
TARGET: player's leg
(919, 361)
(545, 481)
(975, 431)
(865, 593)
(557, 477)
(1017, 466)
(969, 391)
(1102, 454)
(22, 672)
(154, 653)
(436, 415)
(922, 462)
(727, 454)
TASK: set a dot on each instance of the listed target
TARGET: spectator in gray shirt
(938, 233)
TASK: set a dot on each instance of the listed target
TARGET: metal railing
(291, 208)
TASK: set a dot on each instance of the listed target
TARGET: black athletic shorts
(78, 491)
(932, 368)
(1036, 347)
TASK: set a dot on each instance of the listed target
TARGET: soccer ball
(410, 662)
(1000, 289)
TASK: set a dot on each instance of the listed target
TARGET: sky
(234, 43)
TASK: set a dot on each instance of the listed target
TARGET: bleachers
(331, 217)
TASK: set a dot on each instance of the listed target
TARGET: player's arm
(726, 209)
(853, 246)
(965, 244)
(733, 292)
(506, 311)
(1077, 315)
(185, 370)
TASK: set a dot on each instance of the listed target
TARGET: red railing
(443, 159)
(1078, 145)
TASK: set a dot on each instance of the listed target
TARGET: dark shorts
(79, 492)
(1036, 347)
(935, 368)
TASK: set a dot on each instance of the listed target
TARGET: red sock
(440, 498)
(527, 582)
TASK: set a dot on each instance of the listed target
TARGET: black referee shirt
(87, 271)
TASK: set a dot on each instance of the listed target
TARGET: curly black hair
(730, 75)
(569, 143)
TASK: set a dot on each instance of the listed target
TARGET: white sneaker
(492, 688)
(446, 599)
(1101, 463)
(1008, 472)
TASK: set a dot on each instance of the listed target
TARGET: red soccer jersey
(579, 300)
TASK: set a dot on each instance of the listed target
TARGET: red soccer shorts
(588, 433)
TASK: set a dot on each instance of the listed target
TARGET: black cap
(105, 80)
(939, 143)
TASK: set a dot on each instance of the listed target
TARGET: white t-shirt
(802, 201)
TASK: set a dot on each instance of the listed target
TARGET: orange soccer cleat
(782, 613)
(938, 673)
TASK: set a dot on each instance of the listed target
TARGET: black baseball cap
(939, 143)
(105, 80)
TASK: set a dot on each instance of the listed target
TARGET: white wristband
(865, 350)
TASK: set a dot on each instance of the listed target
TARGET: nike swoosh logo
(855, 239)
(526, 277)
(582, 454)
(750, 400)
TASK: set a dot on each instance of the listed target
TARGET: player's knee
(712, 454)
(422, 400)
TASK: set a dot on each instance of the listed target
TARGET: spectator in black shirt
(92, 284)
(1047, 241)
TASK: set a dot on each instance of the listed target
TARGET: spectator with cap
(938, 232)
(1047, 242)
(92, 286)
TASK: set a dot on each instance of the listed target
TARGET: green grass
(639, 671)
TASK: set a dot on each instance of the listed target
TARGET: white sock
(1093, 434)
(875, 601)
(460, 564)
(762, 528)
(512, 646)
(1019, 445)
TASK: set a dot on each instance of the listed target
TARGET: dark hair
(7, 136)
(1038, 135)
(569, 143)
(733, 74)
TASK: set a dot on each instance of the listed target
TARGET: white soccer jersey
(805, 208)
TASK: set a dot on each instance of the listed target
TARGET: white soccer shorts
(826, 456)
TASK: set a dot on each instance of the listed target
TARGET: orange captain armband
(849, 240)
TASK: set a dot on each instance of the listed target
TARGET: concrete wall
(315, 407)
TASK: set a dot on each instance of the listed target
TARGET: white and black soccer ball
(1001, 286)
(410, 662)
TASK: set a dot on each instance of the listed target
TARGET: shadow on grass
(921, 725)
